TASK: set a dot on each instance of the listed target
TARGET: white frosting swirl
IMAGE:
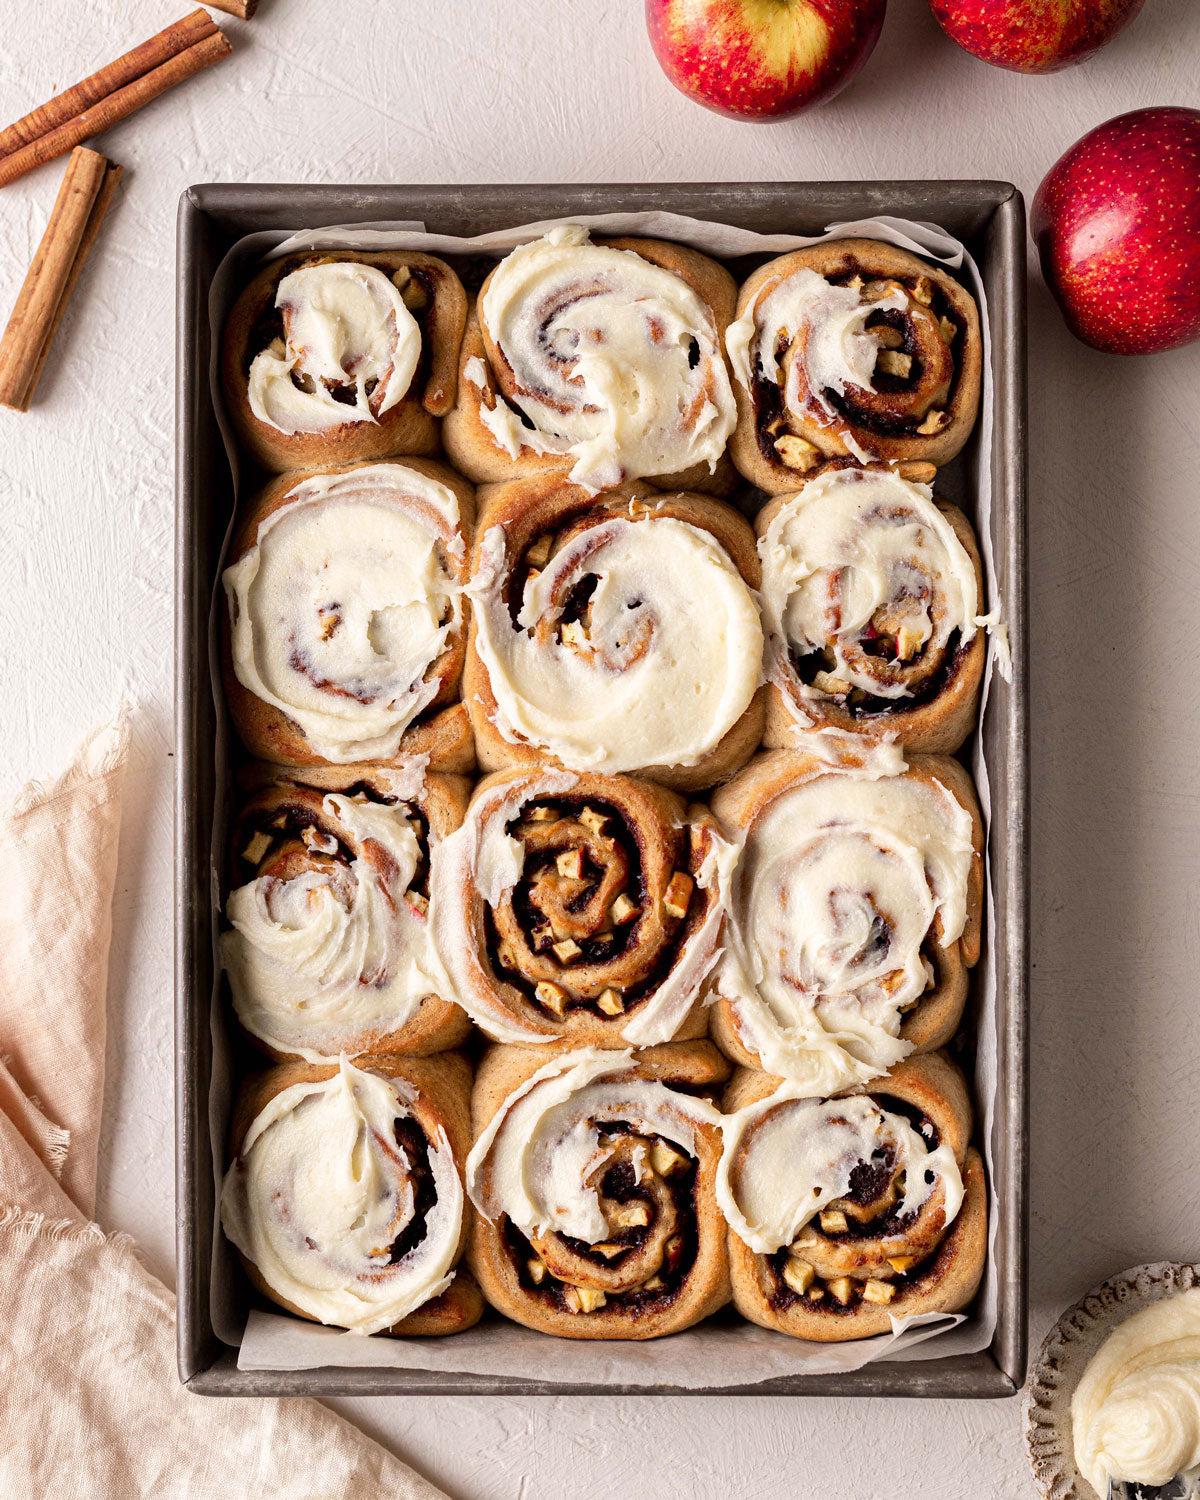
(346, 328)
(665, 667)
(345, 602)
(613, 360)
(316, 961)
(319, 1194)
(836, 890)
(834, 350)
(786, 1157)
(541, 1159)
(1136, 1411)
(853, 554)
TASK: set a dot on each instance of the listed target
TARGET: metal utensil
(1182, 1487)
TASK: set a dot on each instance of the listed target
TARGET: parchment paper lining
(714, 1354)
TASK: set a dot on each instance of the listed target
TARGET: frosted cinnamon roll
(580, 907)
(593, 1176)
(345, 629)
(337, 356)
(848, 1213)
(329, 950)
(871, 597)
(851, 348)
(615, 634)
(345, 1194)
(603, 362)
(853, 914)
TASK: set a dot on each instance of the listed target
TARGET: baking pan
(989, 217)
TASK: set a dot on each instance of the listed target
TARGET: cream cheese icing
(835, 351)
(668, 663)
(543, 1155)
(319, 1194)
(344, 603)
(1136, 1411)
(853, 548)
(614, 361)
(310, 966)
(345, 327)
(836, 889)
(786, 1157)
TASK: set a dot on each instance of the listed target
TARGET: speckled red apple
(1117, 226)
(1033, 36)
(762, 59)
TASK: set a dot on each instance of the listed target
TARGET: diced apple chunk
(552, 996)
(585, 1299)
(610, 1003)
(799, 1275)
(678, 894)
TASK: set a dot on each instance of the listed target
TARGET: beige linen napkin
(91, 1407)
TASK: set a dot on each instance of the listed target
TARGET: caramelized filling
(667, 1243)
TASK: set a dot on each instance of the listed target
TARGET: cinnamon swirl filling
(635, 643)
(604, 357)
(847, 1198)
(346, 609)
(329, 949)
(579, 903)
(348, 1209)
(591, 1171)
(852, 348)
(870, 599)
(849, 897)
(347, 350)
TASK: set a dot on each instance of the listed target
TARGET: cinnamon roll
(580, 907)
(593, 1174)
(871, 597)
(329, 951)
(345, 1194)
(344, 635)
(603, 362)
(854, 914)
(615, 634)
(848, 1213)
(343, 355)
(851, 348)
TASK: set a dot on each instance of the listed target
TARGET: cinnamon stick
(243, 9)
(175, 38)
(83, 200)
(112, 94)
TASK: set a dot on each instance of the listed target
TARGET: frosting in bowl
(611, 359)
(319, 1196)
(344, 604)
(666, 663)
(1136, 1410)
(346, 329)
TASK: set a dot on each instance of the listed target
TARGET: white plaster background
(525, 90)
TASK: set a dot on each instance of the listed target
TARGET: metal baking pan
(989, 217)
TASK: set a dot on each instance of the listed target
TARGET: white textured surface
(528, 90)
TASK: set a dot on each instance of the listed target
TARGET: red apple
(1117, 225)
(762, 59)
(1033, 36)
